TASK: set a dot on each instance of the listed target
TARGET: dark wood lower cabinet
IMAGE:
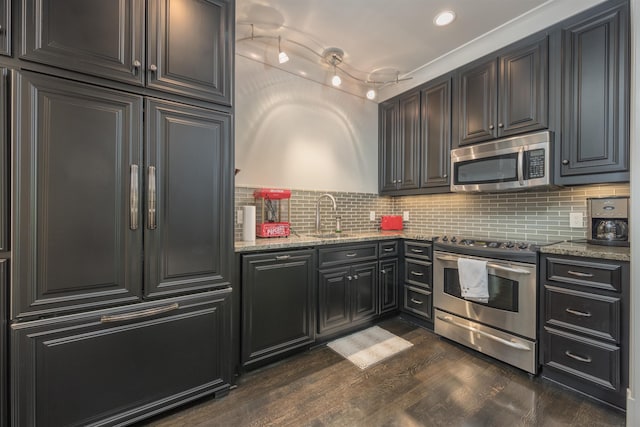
(278, 304)
(4, 345)
(119, 365)
(389, 276)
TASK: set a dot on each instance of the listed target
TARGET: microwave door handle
(521, 165)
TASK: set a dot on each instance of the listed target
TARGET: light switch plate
(405, 216)
(239, 217)
(575, 220)
(372, 215)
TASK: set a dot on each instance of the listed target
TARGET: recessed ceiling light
(444, 18)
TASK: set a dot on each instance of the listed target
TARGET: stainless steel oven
(505, 326)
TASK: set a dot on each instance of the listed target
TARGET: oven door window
(503, 292)
(487, 170)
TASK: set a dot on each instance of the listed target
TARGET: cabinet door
(388, 141)
(4, 344)
(477, 103)
(388, 285)
(277, 303)
(76, 243)
(408, 147)
(523, 90)
(595, 128)
(5, 27)
(99, 37)
(436, 134)
(111, 367)
(364, 303)
(188, 199)
(190, 48)
(334, 302)
(4, 162)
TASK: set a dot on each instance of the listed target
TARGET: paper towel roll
(249, 225)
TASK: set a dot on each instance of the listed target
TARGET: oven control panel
(513, 250)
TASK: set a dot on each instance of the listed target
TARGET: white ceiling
(380, 38)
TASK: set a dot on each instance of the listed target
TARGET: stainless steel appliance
(510, 164)
(608, 221)
(505, 326)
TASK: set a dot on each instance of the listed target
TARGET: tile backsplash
(537, 216)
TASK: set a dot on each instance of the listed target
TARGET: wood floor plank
(434, 383)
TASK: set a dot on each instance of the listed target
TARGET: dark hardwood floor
(434, 383)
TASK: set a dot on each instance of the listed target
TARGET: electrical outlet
(575, 220)
(239, 217)
(372, 215)
(405, 216)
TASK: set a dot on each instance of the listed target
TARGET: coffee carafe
(609, 221)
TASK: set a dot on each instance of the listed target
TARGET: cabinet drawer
(588, 360)
(417, 272)
(387, 249)
(418, 301)
(113, 366)
(347, 254)
(418, 250)
(588, 313)
(598, 275)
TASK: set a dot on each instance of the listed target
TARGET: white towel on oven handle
(474, 281)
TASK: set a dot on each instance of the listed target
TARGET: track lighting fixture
(332, 57)
(282, 56)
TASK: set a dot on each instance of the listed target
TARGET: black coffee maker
(609, 221)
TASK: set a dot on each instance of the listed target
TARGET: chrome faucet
(335, 207)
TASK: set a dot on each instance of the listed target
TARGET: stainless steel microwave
(510, 164)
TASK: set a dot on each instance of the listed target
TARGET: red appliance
(272, 212)
(391, 222)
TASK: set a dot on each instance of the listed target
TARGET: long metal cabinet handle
(521, 166)
(134, 197)
(512, 344)
(415, 301)
(416, 273)
(447, 258)
(139, 314)
(577, 313)
(351, 254)
(152, 200)
(282, 257)
(579, 274)
(416, 251)
(578, 358)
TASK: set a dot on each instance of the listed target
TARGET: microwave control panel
(535, 164)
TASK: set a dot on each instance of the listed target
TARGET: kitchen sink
(330, 235)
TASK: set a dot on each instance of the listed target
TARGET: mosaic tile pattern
(537, 216)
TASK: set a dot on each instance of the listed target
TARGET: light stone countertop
(615, 253)
(304, 240)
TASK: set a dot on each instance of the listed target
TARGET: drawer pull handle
(415, 301)
(579, 274)
(388, 249)
(351, 254)
(283, 257)
(417, 251)
(383, 271)
(139, 314)
(578, 358)
(417, 273)
(577, 312)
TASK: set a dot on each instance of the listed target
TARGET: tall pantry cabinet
(121, 204)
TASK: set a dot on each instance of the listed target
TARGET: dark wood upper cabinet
(436, 134)
(187, 158)
(75, 246)
(186, 48)
(5, 27)
(389, 116)
(103, 38)
(189, 47)
(595, 99)
(503, 96)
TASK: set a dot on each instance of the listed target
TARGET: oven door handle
(509, 269)
(489, 265)
(516, 345)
